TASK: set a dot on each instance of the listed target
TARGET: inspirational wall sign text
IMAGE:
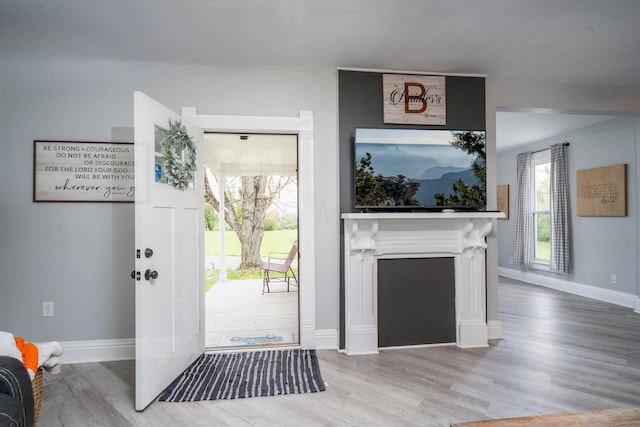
(418, 100)
(70, 171)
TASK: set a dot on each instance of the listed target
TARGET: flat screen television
(422, 170)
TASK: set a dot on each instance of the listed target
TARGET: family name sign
(417, 100)
(69, 171)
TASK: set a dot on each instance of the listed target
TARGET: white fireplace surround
(372, 236)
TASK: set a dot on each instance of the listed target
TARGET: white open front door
(169, 257)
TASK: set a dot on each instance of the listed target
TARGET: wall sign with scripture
(412, 99)
(72, 171)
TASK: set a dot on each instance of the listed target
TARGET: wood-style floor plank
(560, 353)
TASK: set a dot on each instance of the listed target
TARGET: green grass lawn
(273, 241)
(211, 276)
(543, 250)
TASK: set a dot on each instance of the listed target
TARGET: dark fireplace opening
(416, 301)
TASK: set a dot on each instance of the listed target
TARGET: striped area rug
(247, 374)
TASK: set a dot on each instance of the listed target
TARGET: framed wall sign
(503, 200)
(602, 191)
(77, 171)
(417, 100)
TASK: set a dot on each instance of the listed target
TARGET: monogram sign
(417, 100)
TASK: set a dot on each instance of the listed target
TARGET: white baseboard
(125, 349)
(601, 294)
(98, 350)
(494, 330)
(326, 339)
(472, 334)
(308, 334)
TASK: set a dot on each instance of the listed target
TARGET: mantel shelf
(422, 215)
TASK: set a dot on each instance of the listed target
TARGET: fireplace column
(471, 279)
(362, 329)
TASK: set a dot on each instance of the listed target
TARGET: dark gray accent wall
(360, 104)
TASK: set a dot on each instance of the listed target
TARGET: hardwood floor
(561, 353)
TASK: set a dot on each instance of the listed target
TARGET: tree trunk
(254, 208)
(256, 195)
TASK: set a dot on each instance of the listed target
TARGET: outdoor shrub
(271, 223)
(289, 222)
(210, 217)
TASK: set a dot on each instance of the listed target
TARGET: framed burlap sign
(602, 191)
(503, 200)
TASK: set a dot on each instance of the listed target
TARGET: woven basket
(36, 384)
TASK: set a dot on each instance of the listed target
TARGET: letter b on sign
(414, 102)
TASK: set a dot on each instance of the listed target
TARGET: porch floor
(239, 309)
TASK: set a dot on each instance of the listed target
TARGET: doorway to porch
(256, 176)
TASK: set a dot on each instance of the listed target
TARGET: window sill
(540, 265)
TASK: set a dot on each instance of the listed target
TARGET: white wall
(601, 246)
(527, 96)
(80, 255)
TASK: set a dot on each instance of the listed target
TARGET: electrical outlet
(614, 279)
(47, 309)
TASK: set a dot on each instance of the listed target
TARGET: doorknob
(150, 274)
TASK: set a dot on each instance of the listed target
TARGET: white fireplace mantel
(372, 236)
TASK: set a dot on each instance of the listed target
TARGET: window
(541, 238)
(541, 203)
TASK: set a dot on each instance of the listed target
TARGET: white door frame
(301, 125)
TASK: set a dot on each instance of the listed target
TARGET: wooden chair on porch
(278, 264)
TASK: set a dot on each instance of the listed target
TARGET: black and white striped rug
(247, 374)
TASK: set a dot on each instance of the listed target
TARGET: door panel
(190, 259)
(170, 291)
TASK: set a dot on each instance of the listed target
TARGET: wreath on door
(179, 152)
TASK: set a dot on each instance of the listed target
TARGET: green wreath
(178, 143)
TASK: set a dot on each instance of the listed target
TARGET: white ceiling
(591, 42)
(514, 129)
(237, 155)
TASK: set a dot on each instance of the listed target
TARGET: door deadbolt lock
(148, 253)
(148, 275)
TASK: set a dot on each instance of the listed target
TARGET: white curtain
(523, 244)
(559, 260)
